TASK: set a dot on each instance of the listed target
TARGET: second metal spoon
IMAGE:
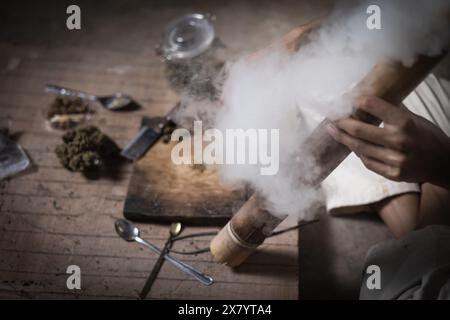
(175, 230)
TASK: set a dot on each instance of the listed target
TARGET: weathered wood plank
(100, 285)
(56, 205)
(63, 175)
(17, 293)
(64, 189)
(102, 225)
(126, 267)
(79, 245)
(106, 119)
(31, 127)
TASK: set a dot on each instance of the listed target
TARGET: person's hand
(407, 147)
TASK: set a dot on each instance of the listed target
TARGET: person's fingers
(380, 109)
(363, 131)
(387, 136)
(383, 169)
(367, 149)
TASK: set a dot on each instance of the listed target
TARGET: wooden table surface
(51, 218)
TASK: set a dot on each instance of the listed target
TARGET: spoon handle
(205, 279)
(69, 92)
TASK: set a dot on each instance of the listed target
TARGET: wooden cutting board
(160, 191)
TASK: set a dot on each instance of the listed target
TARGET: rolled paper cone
(248, 228)
(243, 233)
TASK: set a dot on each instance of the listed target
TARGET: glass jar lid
(187, 37)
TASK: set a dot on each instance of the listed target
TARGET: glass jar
(192, 57)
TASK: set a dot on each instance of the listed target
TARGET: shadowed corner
(332, 252)
(110, 170)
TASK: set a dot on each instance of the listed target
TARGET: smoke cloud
(293, 92)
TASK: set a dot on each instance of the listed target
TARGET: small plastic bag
(12, 157)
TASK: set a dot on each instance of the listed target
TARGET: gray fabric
(415, 267)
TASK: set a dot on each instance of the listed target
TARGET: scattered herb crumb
(167, 132)
(67, 112)
(199, 167)
(67, 105)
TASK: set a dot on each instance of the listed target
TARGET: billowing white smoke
(294, 92)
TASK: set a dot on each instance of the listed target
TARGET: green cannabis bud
(86, 149)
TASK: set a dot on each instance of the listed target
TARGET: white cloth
(416, 267)
(352, 188)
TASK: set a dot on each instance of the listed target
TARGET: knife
(147, 136)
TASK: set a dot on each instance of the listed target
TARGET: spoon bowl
(175, 229)
(126, 230)
(115, 102)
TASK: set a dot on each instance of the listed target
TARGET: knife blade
(147, 136)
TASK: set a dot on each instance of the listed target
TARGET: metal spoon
(129, 232)
(114, 102)
(175, 230)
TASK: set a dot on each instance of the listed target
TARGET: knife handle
(168, 118)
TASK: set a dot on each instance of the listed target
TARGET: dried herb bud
(85, 149)
(67, 105)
